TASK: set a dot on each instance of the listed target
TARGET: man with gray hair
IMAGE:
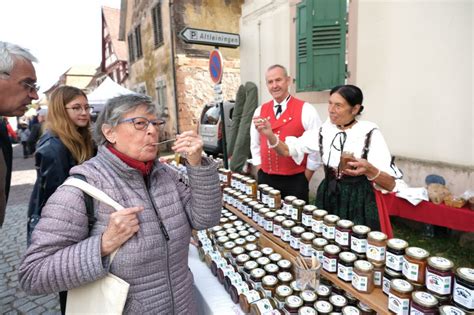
(17, 89)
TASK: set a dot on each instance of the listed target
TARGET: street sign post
(216, 66)
(210, 38)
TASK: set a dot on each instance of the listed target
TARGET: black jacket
(6, 147)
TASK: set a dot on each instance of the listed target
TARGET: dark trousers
(62, 301)
(25, 149)
(289, 185)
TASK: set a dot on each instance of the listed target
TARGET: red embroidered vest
(288, 124)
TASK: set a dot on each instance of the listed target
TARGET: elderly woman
(154, 230)
(347, 189)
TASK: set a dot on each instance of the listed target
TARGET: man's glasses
(78, 109)
(31, 87)
(141, 123)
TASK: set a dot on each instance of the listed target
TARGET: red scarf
(143, 167)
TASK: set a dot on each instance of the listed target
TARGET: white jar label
(328, 232)
(342, 238)
(294, 213)
(258, 194)
(252, 296)
(359, 245)
(319, 255)
(378, 278)
(242, 288)
(376, 253)
(235, 278)
(295, 242)
(268, 226)
(438, 284)
(316, 226)
(306, 219)
(329, 264)
(255, 216)
(397, 305)
(271, 202)
(394, 262)
(410, 271)
(306, 250)
(285, 235)
(248, 190)
(227, 270)
(277, 230)
(359, 282)
(385, 285)
(463, 296)
(344, 273)
(263, 305)
(265, 199)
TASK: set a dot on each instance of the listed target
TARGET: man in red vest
(288, 117)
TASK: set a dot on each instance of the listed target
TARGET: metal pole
(223, 141)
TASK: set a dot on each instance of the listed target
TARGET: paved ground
(13, 244)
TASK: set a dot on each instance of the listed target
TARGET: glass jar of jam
(359, 239)
(351, 300)
(343, 233)
(256, 212)
(269, 283)
(365, 309)
(262, 261)
(274, 199)
(240, 203)
(307, 217)
(450, 310)
(338, 302)
(331, 257)
(376, 247)
(236, 290)
(414, 264)
(350, 310)
(235, 199)
(268, 221)
(251, 239)
(323, 307)
(225, 195)
(307, 310)
(235, 252)
(363, 276)
(318, 247)
(232, 278)
(285, 265)
(323, 292)
(317, 222)
(287, 205)
(246, 206)
(261, 216)
(277, 225)
(255, 254)
(285, 277)
(248, 267)
(260, 189)
(329, 227)
(250, 207)
(439, 275)
(251, 188)
(256, 276)
(308, 297)
(246, 299)
(463, 293)
(271, 269)
(275, 257)
(399, 296)
(306, 244)
(297, 212)
(395, 252)
(266, 195)
(387, 277)
(378, 274)
(296, 232)
(280, 212)
(286, 227)
(423, 303)
(221, 241)
(345, 266)
(292, 304)
(267, 251)
(281, 293)
(263, 306)
(240, 261)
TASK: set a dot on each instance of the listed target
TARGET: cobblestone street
(13, 244)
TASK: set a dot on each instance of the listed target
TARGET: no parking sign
(216, 67)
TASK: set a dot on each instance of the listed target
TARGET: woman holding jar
(354, 153)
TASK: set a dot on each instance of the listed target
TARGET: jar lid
(242, 197)
(294, 301)
(288, 223)
(271, 268)
(257, 273)
(416, 252)
(310, 208)
(338, 300)
(253, 203)
(251, 181)
(307, 310)
(323, 290)
(285, 276)
(222, 239)
(364, 307)
(295, 286)
(332, 249)
(378, 265)
(248, 200)
(466, 274)
(401, 285)
(274, 192)
(449, 309)
(284, 263)
(279, 218)
(228, 226)
(267, 189)
(233, 218)
(244, 233)
(250, 239)
(392, 273)
(363, 265)
(361, 229)
(298, 203)
(251, 229)
(231, 230)
(262, 185)
(331, 218)
(350, 310)
(269, 280)
(229, 245)
(267, 250)
(242, 258)
(308, 236)
(345, 224)
(250, 265)
(347, 257)
(255, 254)
(258, 206)
(275, 257)
(440, 263)
(263, 211)
(320, 213)
(280, 212)
(283, 290)
(289, 199)
(424, 299)
(297, 229)
(397, 243)
(320, 242)
(220, 233)
(234, 235)
(262, 261)
(216, 228)
(308, 296)
(323, 306)
(250, 247)
(378, 236)
(270, 215)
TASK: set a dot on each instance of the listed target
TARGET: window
(138, 42)
(131, 50)
(157, 25)
(161, 96)
(321, 44)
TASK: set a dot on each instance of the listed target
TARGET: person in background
(355, 156)
(287, 116)
(37, 129)
(23, 134)
(17, 89)
(153, 230)
(66, 143)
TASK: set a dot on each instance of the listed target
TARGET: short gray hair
(9, 53)
(285, 73)
(118, 106)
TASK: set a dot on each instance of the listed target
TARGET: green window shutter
(303, 52)
(325, 46)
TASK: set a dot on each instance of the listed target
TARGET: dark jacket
(53, 162)
(6, 174)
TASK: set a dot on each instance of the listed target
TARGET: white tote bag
(106, 295)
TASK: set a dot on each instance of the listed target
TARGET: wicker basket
(454, 202)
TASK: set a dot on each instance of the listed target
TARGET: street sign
(210, 38)
(216, 67)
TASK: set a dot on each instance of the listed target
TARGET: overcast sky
(60, 33)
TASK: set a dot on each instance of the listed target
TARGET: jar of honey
(307, 217)
(306, 244)
(297, 212)
(439, 276)
(251, 188)
(395, 252)
(414, 264)
(236, 290)
(250, 207)
(262, 261)
(307, 310)
(343, 233)
(359, 239)
(350, 310)
(423, 303)
(378, 274)
(274, 199)
(363, 276)
(376, 247)
(330, 258)
(317, 222)
(399, 296)
(287, 205)
(248, 267)
(329, 227)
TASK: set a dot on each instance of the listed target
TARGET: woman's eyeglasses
(141, 123)
(78, 109)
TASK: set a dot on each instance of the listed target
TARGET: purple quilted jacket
(63, 255)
